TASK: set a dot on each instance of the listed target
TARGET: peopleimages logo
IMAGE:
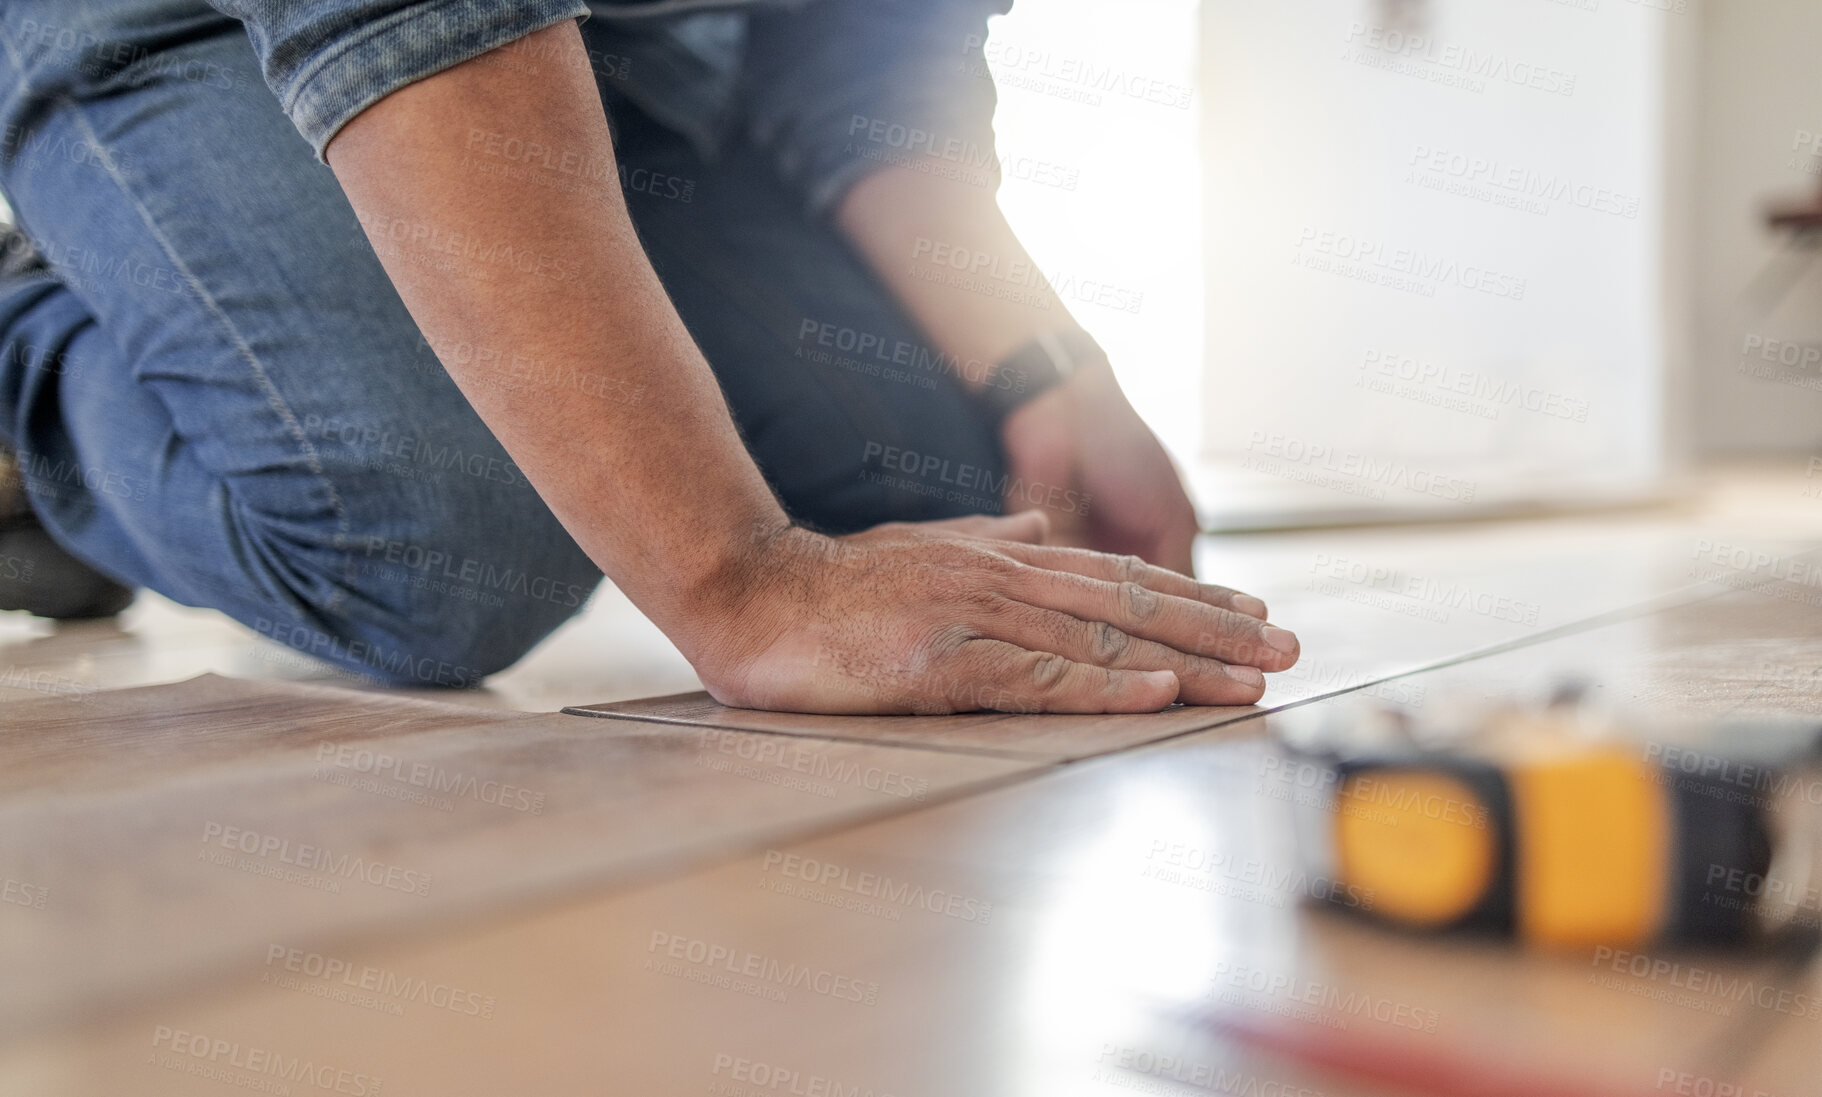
(761, 976)
(1713, 985)
(1685, 1084)
(984, 483)
(1265, 447)
(297, 962)
(1013, 279)
(1451, 63)
(962, 159)
(764, 752)
(515, 149)
(1413, 268)
(1083, 79)
(431, 777)
(1804, 356)
(312, 859)
(872, 349)
(1516, 185)
(230, 1062)
(874, 885)
(1339, 1004)
(917, 141)
(1479, 392)
(1425, 590)
(20, 893)
(1168, 861)
(465, 576)
(756, 1076)
(1128, 1061)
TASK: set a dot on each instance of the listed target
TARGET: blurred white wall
(1097, 135)
(1759, 135)
(1436, 235)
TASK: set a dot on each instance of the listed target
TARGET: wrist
(1088, 396)
(1048, 361)
(725, 620)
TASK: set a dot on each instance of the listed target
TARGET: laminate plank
(149, 837)
(1040, 737)
(94, 739)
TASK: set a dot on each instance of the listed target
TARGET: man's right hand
(958, 616)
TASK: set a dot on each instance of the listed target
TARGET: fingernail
(1246, 675)
(1282, 639)
(1165, 679)
(1250, 606)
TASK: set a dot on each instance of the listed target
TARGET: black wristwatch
(1037, 367)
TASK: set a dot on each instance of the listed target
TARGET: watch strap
(1040, 365)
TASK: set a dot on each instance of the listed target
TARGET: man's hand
(1122, 493)
(939, 617)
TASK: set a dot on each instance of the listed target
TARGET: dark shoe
(36, 574)
(18, 255)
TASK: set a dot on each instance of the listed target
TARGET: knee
(457, 593)
(490, 599)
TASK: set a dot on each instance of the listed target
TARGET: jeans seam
(274, 399)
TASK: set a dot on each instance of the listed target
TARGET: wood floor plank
(83, 741)
(158, 834)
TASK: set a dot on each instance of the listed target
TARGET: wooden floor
(265, 879)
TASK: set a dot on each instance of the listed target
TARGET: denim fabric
(682, 71)
(845, 86)
(832, 89)
(329, 60)
(216, 393)
(819, 73)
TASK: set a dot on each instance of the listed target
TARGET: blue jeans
(215, 392)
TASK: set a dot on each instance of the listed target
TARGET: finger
(1131, 569)
(1186, 624)
(1005, 677)
(1027, 527)
(1203, 681)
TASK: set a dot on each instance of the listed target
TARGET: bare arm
(908, 224)
(525, 275)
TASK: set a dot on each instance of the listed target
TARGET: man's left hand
(1080, 452)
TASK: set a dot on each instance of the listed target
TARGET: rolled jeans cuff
(403, 48)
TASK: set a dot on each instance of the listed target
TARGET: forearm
(525, 275)
(917, 230)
